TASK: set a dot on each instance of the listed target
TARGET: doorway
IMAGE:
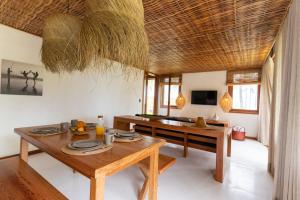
(150, 94)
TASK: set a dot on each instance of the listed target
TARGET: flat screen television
(204, 97)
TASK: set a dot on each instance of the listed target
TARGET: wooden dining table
(98, 166)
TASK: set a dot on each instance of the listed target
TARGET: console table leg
(220, 160)
(229, 145)
(185, 145)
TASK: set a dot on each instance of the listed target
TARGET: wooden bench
(19, 181)
(164, 163)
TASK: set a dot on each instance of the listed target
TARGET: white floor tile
(190, 178)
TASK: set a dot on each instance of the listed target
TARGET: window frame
(245, 111)
(147, 76)
(162, 90)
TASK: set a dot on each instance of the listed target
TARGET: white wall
(211, 81)
(65, 97)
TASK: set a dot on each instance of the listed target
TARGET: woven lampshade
(226, 102)
(60, 43)
(129, 7)
(180, 101)
(114, 30)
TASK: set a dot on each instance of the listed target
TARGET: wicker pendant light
(180, 101)
(60, 43)
(129, 7)
(114, 30)
(226, 102)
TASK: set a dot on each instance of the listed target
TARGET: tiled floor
(190, 178)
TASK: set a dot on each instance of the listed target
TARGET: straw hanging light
(180, 101)
(114, 30)
(226, 102)
(60, 42)
(129, 7)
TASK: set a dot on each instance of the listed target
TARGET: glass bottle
(100, 130)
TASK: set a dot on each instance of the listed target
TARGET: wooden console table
(184, 134)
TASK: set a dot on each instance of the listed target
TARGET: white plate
(127, 134)
(85, 144)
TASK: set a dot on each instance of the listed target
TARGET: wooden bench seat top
(19, 181)
(164, 162)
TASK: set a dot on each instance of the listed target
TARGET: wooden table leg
(24, 150)
(220, 160)
(153, 174)
(97, 188)
(185, 145)
(144, 190)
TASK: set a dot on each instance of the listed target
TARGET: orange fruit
(81, 129)
(80, 124)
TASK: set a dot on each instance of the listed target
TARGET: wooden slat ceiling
(185, 35)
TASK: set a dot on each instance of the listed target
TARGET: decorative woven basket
(238, 133)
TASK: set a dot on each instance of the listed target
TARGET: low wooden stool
(164, 163)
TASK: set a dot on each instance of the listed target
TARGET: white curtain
(287, 176)
(275, 117)
(265, 101)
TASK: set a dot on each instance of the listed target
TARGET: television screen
(204, 97)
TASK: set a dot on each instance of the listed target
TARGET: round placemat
(42, 134)
(69, 151)
(128, 140)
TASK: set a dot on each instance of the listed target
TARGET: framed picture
(19, 78)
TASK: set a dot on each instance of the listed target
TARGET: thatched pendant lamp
(114, 30)
(128, 7)
(60, 43)
(226, 102)
(180, 101)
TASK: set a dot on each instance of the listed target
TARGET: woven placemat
(69, 151)
(42, 135)
(128, 139)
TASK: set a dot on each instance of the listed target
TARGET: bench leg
(144, 190)
(24, 150)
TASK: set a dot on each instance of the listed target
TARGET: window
(245, 98)
(150, 96)
(244, 88)
(174, 83)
